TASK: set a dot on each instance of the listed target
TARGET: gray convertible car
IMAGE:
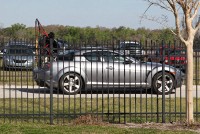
(92, 69)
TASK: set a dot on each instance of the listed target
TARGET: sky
(80, 13)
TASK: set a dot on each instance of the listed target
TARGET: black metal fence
(114, 81)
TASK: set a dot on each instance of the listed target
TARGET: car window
(112, 57)
(19, 51)
(33, 48)
(177, 52)
(92, 56)
(67, 57)
(132, 46)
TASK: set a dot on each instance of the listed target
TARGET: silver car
(102, 68)
(18, 57)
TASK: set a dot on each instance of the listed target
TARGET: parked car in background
(18, 56)
(132, 49)
(33, 48)
(172, 56)
(102, 69)
(62, 45)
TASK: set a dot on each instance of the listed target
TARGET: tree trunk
(189, 84)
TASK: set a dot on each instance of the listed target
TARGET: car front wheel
(168, 84)
(70, 83)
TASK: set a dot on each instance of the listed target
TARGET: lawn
(87, 115)
(114, 110)
(30, 128)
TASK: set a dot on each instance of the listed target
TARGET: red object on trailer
(42, 39)
(39, 28)
(41, 33)
(41, 44)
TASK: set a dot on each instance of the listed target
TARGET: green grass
(16, 77)
(137, 110)
(31, 128)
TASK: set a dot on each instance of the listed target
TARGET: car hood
(152, 65)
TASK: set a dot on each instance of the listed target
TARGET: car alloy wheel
(70, 83)
(169, 83)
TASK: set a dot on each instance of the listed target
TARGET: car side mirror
(127, 61)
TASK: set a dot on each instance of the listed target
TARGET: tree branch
(197, 26)
(196, 8)
(189, 8)
(145, 12)
(160, 4)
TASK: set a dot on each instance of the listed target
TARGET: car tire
(4, 67)
(71, 83)
(149, 60)
(40, 83)
(169, 83)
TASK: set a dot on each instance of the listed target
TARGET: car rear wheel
(71, 83)
(4, 67)
(169, 83)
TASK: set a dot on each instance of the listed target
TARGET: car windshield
(19, 51)
(130, 45)
(67, 55)
(129, 57)
(177, 52)
(62, 45)
(33, 48)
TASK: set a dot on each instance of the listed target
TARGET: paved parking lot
(36, 92)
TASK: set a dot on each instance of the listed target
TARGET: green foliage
(91, 35)
(167, 36)
(15, 31)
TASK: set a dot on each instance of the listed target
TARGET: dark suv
(131, 48)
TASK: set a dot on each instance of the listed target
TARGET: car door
(94, 69)
(121, 71)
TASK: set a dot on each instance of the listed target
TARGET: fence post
(163, 82)
(51, 84)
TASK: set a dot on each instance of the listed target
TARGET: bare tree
(189, 10)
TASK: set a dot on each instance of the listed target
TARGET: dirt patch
(163, 126)
(88, 120)
(95, 120)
